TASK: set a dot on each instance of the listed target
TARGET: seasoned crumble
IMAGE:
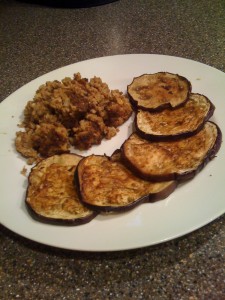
(73, 112)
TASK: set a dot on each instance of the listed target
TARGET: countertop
(36, 39)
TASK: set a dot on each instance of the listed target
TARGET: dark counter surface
(36, 39)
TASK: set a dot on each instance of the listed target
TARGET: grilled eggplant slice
(181, 122)
(52, 196)
(155, 92)
(172, 160)
(106, 185)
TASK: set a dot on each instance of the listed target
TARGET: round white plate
(191, 206)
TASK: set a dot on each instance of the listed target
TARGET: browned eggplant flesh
(158, 91)
(106, 185)
(52, 195)
(169, 160)
(183, 121)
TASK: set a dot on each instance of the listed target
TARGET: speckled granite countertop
(36, 39)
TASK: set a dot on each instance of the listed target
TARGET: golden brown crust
(52, 195)
(179, 159)
(158, 91)
(107, 185)
(175, 123)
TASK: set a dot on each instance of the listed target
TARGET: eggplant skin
(119, 195)
(58, 221)
(150, 198)
(51, 195)
(171, 175)
(178, 135)
(168, 91)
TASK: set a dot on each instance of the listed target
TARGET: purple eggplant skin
(136, 107)
(175, 176)
(58, 221)
(149, 198)
(174, 137)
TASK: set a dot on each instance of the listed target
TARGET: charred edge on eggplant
(174, 137)
(161, 107)
(149, 198)
(56, 221)
(175, 176)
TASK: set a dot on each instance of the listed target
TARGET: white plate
(191, 206)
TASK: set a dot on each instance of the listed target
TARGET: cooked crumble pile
(73, 112)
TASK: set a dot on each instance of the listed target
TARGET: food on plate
(52, 195)
(44, 140)
(154, 92)
(169, 160)
(180, 122)
(173, 141)
(106, 185)
(73, 112)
